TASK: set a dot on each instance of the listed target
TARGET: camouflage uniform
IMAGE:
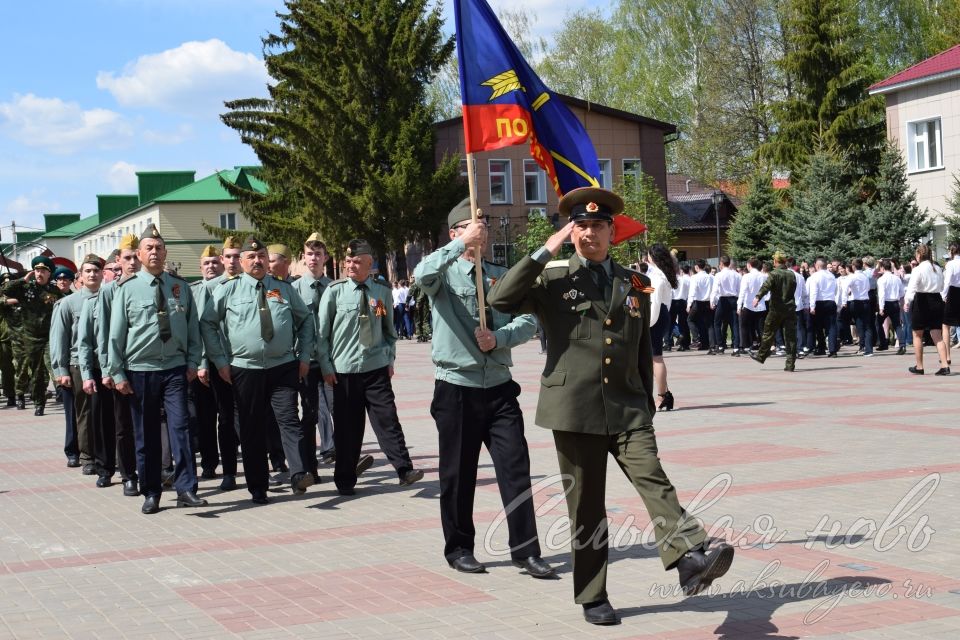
(422, 322)
(31, 350)
(9, 322)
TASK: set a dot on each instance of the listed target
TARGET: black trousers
(123, 430)
(678, 318)
(467, 418)
(865, 319)
(316, 413)
(82, 411)
(891, 309)
(825, 325)
(701, 316)
(203, 423)
(725, 317)
(355, 396)
(255, 392)
(104, 429)
(751, 327)
(228, 427)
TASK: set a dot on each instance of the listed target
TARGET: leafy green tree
(642, 201)
(345, 138)
(893, 223)
(952, 216)
(538, 230)
(751, 231)
(824, 214)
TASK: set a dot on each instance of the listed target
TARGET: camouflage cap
(359, 247)
(209, 251)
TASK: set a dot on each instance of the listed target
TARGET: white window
(501, 191)
(631, 169)
(228, 221)
(923, 145)
(534, 182)
(463, 167)
(606, 178)
(537, 211)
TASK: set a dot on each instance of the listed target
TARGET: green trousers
(583, 463)
(7, 371)
(780, 320)
(33, 362)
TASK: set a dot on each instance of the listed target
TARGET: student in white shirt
(723, 300)
(925, 302)
(678, 310)
(698, 305)
(661, 269)
(951, 295)
(822, 293)
(889, 292)
(751, 318)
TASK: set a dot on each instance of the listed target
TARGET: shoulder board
(294, 279)
(178, 277)
(553, 264)
(338, 282)
(125, 279)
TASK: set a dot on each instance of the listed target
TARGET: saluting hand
(555, 242)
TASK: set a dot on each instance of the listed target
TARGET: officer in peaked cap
(596, 395)
(271, 340)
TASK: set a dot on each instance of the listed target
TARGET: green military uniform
(64, 358)
(781, 284)
(421, 300)
(9, 320)
(317, 396)
(356, 327)
(31, 348)
(596, 394)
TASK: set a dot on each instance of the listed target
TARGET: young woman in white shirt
(925, 303)
(662, 272)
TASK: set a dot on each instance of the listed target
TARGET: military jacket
(87, 355)
(341, 318)
(231, 325)
(63, 332)
(311, 296)
(451, 284)
(598, 376)
(135, 342)
(35, 302)
(781, 284)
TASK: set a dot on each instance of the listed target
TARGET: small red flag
(626, 227)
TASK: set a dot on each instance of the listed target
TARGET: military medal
(378, 309)
(633, 306)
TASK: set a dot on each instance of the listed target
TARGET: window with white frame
(534, 182)
(631, 170)
(606, 178)
(228, 221)
(924, 145)
(501, 191)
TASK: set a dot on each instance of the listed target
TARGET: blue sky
(93, 91)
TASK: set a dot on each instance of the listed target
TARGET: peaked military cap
(252, 243)
(92, 258)
(359, 247)
(460, 213)
(42, 262)
(151, 232)
(231, 242)
(282, 249)
(129, 241)
(63, 272)
(591, 203)
(209, 251)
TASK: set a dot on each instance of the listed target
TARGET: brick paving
(838, 483)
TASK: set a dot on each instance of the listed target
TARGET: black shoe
(329, 456)
(190, 499)
(467, 564)
(259, 497)
(410, 477)
(89, 469)
(667, 403)
(38, 411)
(536, 567)
(698, 570)
(943, 371)
(364, 463)
(916, 371)
(346, 491)
(756, 358)
(166, 477)
(280, 479)
(130, 488)
(600, 612)
(300, 481)
(21, 403)
(832, 354)
(208, 474)
(281, 468)
(901, 351)
(73, 461)
(789, 367)
(229, 482)
(104, 481)
(151, 504)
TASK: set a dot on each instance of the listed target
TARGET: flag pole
(477, 255)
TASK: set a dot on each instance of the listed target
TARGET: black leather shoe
(166, 477)
(229, 482)
(21, 403)
(329, 456)
(104, 481)
(536, 567)
(698, 570)
(300, 481)
(151, 504)
(600, 612)
(190, 499)
(942, 371)
(832, 354)
(208, 474)
(130, 488)
(410, 477)
(915, 371)
(89, 469)
(364, 463)
(38, 411)
(280, 479)
(755, 358)
(467, 564)
(346, 491)
(259, 497)
(901, 351)
(73, 462)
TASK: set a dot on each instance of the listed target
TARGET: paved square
(838, 483)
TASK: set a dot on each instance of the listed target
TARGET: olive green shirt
(782, 285)
(311, 291)
(451, 284)
(63, 332)
(35, 303)
(87, 348)
(341, 319)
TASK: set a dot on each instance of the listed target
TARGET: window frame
(606, 177)
(507, 180)
(228, 216)
(911, 144)
(541, 177)
(637, 173)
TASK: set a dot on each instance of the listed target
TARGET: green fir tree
(643, 201)
(751, 231)
(952, 216)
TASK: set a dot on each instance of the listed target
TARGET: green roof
(53, 221)
(75, 228)
(153, 184)
(114, 205)
(210, 189)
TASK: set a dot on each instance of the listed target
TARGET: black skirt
(926, 312)
(658, 330)
(951, 309)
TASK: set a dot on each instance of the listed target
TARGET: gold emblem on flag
(503, 83)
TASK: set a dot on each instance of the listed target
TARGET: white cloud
(62, 127)
(195, 77)
(122, 177)
(181, 134)
(27, 210)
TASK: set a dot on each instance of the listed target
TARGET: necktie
(316, 296)
(163, 318)
(266, 320)
(603, 283)
(366, 322)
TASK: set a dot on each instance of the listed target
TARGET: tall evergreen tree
(829, 71)
(345, 138)
(751, 231)
(952, 216)
(893, 223)
(824, 214)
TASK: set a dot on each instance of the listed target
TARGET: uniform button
(606, 361)
(605, 381)
(609, 340)
(608, 322)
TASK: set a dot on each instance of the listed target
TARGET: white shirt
(726, 283)
(889, 288)
(926, 278)
(821, 286)
(700, 286)
(662, 293)
(749, 286)
(683, 287)
(399, 296)
(858, 285)
(951, 276)
(800, 295)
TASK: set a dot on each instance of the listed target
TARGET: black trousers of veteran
(256, 390)
(105, 430)
(354, 396)
(228, 423)
(123, 431)
(467, 418)
(215, 429)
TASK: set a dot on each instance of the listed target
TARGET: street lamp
(505, 229)
(717, 201)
